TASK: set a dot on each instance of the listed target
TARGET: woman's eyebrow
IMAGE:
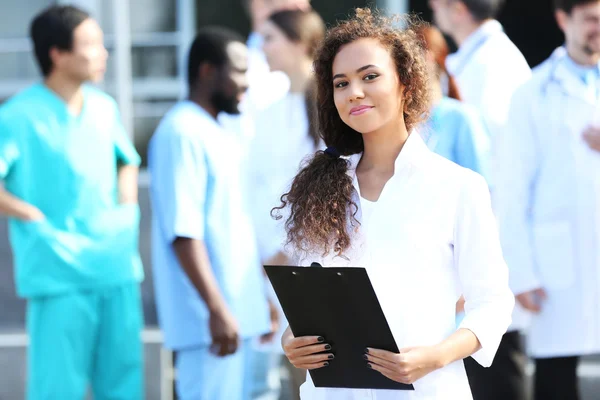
(361, 69)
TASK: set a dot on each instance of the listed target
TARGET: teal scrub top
(457, 132)
(66, 166)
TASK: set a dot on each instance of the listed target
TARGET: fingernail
(325, 364)
(369, 366)
(321, 339)
(366, 357)
(367, 351)
(331, 357)
(327, 347)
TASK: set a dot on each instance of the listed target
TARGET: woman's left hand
(409, 366)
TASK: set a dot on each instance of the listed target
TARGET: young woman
(454, 130)
(421, 225)
(285, 131)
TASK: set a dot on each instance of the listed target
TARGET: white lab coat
(488, 68)
(547, 198)
(430, 237)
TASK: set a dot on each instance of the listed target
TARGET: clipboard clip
(316, 264)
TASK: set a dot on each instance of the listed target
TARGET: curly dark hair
(322, 212)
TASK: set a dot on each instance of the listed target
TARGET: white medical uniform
(548, 202)
(488, 68)
(430, 237)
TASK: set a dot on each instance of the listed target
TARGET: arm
(10, 154)
(194, 261)
(488, 300)
(16, 208)
(179, 185)
(128, 184)
(515, 163)
(129, 162)
(193, 257)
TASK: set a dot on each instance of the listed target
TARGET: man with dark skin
(209, 285)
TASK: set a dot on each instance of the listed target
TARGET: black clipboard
(340, 305)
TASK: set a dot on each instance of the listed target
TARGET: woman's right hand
(306, 352)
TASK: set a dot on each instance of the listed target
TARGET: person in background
(210, 291)
(285, 135)
(70, 191)
(488, 68)
(454, 130)
(265, 86)
(547, 198)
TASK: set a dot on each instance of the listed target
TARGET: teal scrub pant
(85, 338)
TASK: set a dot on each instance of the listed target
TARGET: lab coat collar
(570, 83)
(411, 152)
(471, 44)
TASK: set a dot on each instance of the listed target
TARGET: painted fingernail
(321, 339)
(327, 347)
(326, 364)
(367, 351)
(331, 356)
(369, 366)
(366, 357)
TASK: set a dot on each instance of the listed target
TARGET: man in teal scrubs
(70, 190)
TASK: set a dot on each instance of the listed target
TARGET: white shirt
(488, 68)
(430, 237)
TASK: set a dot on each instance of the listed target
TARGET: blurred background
(148, 41)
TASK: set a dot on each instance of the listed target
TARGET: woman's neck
(382, 147)
(436, 89)
(300, 76)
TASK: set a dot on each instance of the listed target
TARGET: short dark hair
(210, 46)
(54, 27)
(568, 5)
(483, 9)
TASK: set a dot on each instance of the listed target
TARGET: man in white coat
(488, 68)
(547, 196)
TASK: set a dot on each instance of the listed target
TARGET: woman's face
(281, 52)
(366, 88)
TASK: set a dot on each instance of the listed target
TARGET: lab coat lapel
(570, 84)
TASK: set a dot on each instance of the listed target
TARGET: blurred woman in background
(454, 130)
(284, 135)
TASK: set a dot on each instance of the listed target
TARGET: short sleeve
(482, 271)
(124, 149)
(178, 185)
(9, 149)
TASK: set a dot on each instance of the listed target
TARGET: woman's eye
(340, 85)
(370, 77)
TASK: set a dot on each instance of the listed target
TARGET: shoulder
(22, 104)
(184, 122)
(544, 70)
